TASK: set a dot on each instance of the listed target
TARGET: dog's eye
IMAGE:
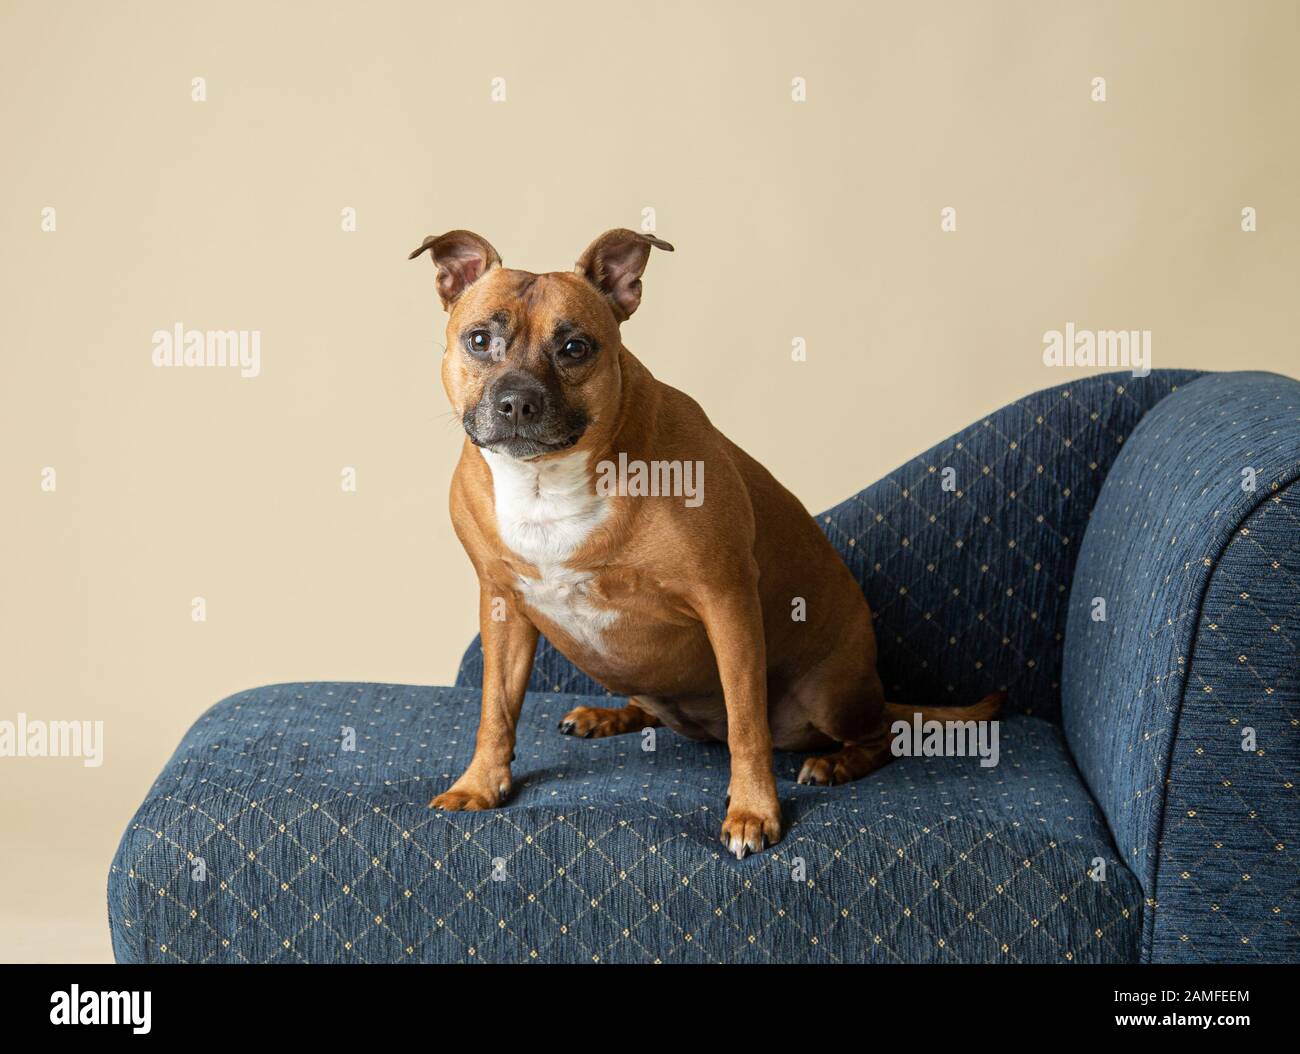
(480, 341)
(575, 350)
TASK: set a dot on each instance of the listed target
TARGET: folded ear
(462, 258)
(614, 262)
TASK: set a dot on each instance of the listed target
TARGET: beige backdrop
(817, 219)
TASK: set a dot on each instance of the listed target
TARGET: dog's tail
(985, 710)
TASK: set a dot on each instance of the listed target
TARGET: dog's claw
(745, 832)
(736, 846)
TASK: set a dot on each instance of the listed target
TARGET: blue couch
(1120, 554)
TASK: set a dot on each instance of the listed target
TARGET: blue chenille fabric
(969, 586)
(264, 840)
(1182, 707)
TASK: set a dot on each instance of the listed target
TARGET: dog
(685, 608)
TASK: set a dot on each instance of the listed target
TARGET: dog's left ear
(462, 258)
(614, 262)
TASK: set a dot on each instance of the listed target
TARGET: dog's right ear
(462, 258)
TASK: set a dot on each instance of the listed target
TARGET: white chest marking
(545, 512)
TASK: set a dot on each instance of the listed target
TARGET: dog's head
(532, 360)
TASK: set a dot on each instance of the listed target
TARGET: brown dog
(730, 618)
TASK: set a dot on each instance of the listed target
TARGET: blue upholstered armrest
(1181, 695)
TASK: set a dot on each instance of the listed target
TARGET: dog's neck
(546, 509)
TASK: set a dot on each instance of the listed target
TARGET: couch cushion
(265, 840)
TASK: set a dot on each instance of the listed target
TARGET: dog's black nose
(520, 405)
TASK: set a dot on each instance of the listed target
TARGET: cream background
(818, 220)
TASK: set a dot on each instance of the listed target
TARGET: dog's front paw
(472, 796)
(462, 801)
(752, 830)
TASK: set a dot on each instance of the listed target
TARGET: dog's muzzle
(518, 417)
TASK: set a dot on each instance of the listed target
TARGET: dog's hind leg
(865, 751)
(851, 762)
(840, 701)
(594, 722)
(854, 717)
